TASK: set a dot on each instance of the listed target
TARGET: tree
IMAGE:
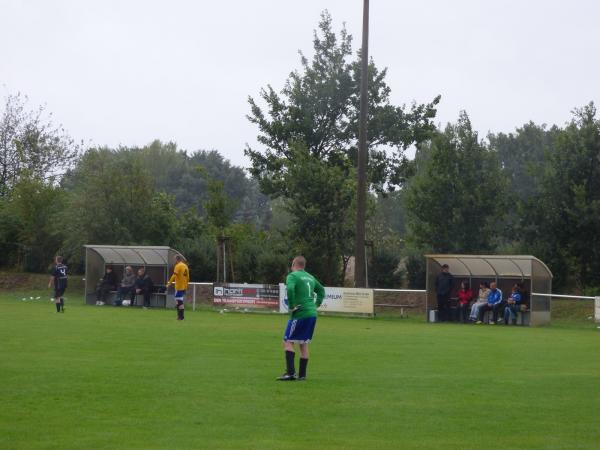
(10, 226)
(176, 173)
(456, 200)
(110, 197)
(219, 207)
(162, 225)
(562, 224)
(31, 232)
(31, 145)
(523, 156)
(317, 112)
(320, 108)
(197, 244)
(384, 271)
(321, 202)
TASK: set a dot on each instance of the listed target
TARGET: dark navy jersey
(60, 276)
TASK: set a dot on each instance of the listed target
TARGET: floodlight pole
(359, 250)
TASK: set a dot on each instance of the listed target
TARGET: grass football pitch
(117, 378)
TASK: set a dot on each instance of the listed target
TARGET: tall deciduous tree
(31, 145)
(523, 156)
(321, 202)
(456, 200)
(31, 216)
(319, 107)
(111, 198)
(175, 172)
(318, 111)
(563, 220)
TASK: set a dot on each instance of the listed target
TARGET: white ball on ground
(126, 302)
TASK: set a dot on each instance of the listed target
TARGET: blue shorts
(179, 295)
(300, 330)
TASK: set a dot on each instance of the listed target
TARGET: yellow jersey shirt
(181, 276)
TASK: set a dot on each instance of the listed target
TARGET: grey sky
(127, 72)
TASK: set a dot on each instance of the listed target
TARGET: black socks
(303, 364)
(289, 362)
(57, 307)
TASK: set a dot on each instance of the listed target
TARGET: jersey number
(310, 293)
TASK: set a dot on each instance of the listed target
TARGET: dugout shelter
(505, 270)
(158, 261)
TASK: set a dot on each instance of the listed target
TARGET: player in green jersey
(305, 294)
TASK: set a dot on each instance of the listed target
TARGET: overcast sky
(127, 72)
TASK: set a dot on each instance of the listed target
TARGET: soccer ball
(126, 302)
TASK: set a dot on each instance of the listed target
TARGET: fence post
(194, 297)
(597, 309)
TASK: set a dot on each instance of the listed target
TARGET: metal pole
(194, 297)
(224, 264)
(579, 297)
(366, 268)
(218, 259)
(86, 278)
(359, 250)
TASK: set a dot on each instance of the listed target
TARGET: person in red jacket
(465, 295)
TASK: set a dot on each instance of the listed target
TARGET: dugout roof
(493, 266)
(134, 255)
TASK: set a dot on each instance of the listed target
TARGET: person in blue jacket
(494, 303)
(513, 303)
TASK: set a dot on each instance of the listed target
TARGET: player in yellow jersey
(180, 278)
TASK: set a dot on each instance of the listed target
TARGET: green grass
(103, 377)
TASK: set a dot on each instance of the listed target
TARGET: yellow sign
(343, 300)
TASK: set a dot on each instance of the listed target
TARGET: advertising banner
(246, 296)
(338, 300)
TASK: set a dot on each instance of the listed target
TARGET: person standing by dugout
(443, 289)
(59, 278)
(181, 278)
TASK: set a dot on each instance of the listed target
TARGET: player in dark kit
(59, 277)
(305, 294)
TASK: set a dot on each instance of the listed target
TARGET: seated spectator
(465, 295)
(484, 290)
(494, 303)
(127, 286)
(106, 284)
(144, 286)
(524, 297)
(513, 303)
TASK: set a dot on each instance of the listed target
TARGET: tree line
(534, 190)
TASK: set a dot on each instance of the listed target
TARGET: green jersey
(305, 294)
